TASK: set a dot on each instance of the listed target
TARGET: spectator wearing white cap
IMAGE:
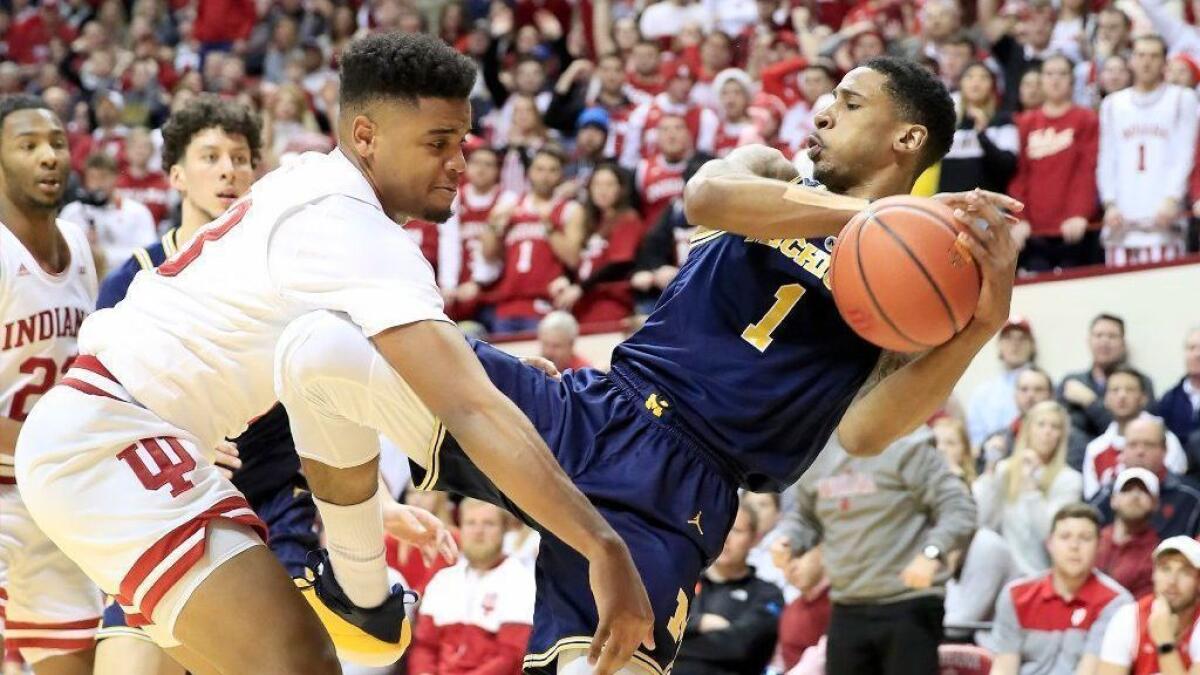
(993, 405)
(734, 90)
(1127, 544)
(1156, 634)
(1178, 509)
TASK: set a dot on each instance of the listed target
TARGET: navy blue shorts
(290, 515)
(652, 485)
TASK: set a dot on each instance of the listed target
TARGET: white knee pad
(323, 366)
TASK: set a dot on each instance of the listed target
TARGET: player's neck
(191, 219)
(37, 232)
(886, 183)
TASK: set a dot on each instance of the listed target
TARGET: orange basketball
(900, 279)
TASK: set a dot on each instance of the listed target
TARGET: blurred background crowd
(1007, 536)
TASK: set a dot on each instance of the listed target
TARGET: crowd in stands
(1040, 526)
(589, 115)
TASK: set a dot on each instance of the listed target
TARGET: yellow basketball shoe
(369, 637)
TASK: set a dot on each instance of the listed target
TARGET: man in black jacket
(734, 617)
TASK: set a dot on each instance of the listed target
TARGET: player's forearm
(503, 444)
(9, 430)
(876, 420)
(746, 194)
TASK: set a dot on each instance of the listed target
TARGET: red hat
(677, 68)
(786, 38)
(1192, 64)
(1017, 322)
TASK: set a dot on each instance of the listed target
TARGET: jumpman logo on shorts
(696, 521)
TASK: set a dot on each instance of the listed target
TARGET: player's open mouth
(50, 184)
(228, 196)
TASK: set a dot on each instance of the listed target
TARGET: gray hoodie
(875, 514)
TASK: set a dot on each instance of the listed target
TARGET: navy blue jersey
(268, 454)
(747, 354)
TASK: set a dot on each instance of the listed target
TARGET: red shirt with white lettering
(658, 182)
(529, 262)
(152, 189)
(1056, 168)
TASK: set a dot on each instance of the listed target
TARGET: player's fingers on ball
(225, 473)
(973, 248)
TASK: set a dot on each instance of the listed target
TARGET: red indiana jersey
(425, 234)
(658, 182)
(152, 189)
(529, 262)
(730, 134)
(473, 211)
(642, 133)
(609, 300)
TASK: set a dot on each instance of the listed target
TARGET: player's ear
(175, 177)
(362, 135)
(911, 139)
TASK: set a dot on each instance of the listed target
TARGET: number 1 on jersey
(759, 334)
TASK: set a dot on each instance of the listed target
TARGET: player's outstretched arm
(437, 363)
(750, 193)
(876, 419)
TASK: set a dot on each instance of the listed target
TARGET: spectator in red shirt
(1056, 176)
(1126, 545)
(613, 232)
(30, 35)
(556, 340)
(222, 23)
(141, 183)
(659, 179)
(475, 617)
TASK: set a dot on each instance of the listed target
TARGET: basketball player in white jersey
(116, 462)
(47, 287)
(1147, 134)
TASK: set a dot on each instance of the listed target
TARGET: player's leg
(281, 633)
(53, 609)
(126, 655)
(340, 394)
(122, 649)
(150, 519)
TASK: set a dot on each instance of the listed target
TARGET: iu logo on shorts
(155, 467)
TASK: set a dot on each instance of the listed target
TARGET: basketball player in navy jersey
(738, 378)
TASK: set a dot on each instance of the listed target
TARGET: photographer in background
(115, 225)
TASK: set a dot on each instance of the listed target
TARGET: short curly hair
(922, 99)
(17, 102)
(403, 66)
(209, 112)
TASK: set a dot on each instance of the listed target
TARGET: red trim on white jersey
(3, 605)
(90, 376)
(66, 636)
(168, 560)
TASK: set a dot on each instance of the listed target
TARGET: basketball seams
(862, 275)
(920, 266)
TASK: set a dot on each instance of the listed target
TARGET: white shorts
(128, 496)
(50, 606)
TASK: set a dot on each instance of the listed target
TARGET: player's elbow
(861, 442)
(702, 198)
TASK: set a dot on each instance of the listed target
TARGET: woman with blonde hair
(951, 439)
(1021, 496)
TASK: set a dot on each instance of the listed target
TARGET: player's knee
(318, 348)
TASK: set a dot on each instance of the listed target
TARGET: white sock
(354, 536)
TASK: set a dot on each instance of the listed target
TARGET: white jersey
(41, 314)
(194, 340)
(1146, 142)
